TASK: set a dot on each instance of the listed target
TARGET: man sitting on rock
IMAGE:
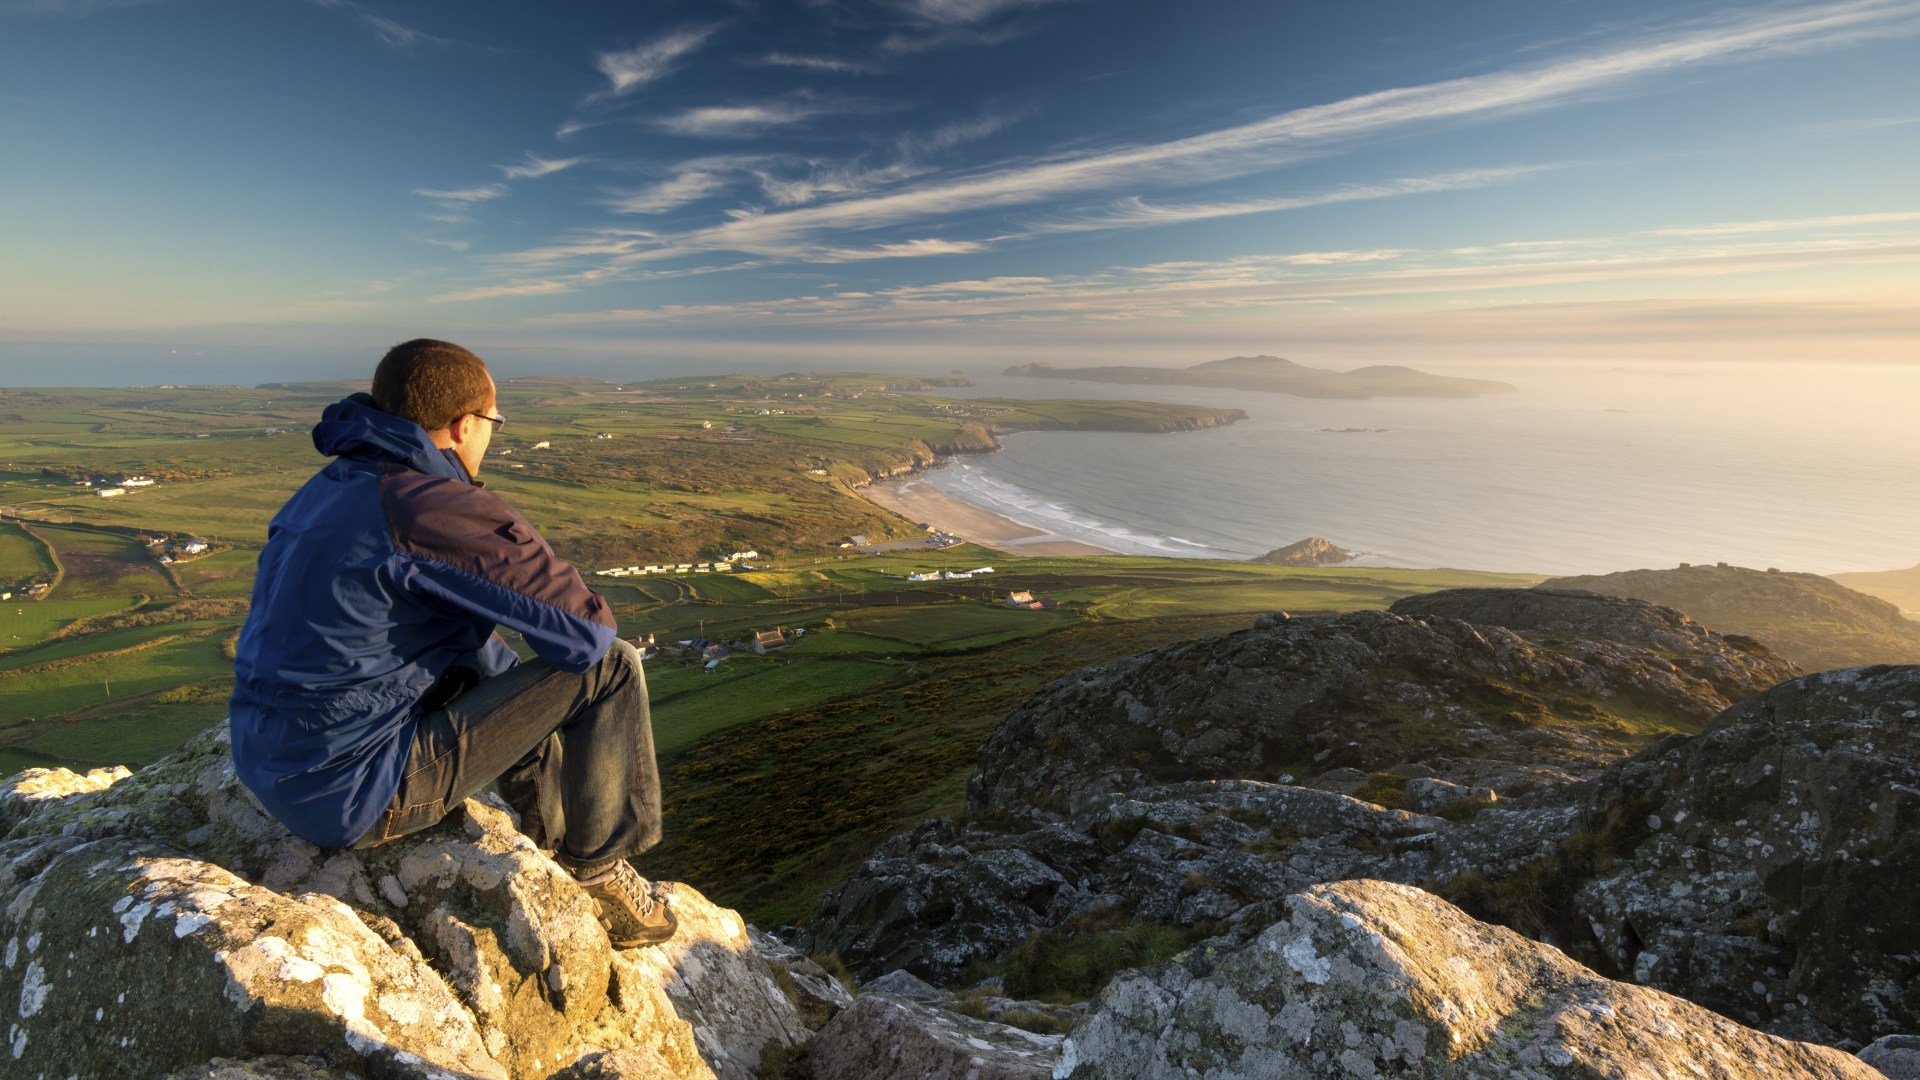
(371, 691)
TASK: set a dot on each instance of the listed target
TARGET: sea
(1587, 468)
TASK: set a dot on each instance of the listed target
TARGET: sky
(255, 189)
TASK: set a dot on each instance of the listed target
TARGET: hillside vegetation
(1814, 621)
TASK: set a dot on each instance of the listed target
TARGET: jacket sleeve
(466, 548)
(496, 656)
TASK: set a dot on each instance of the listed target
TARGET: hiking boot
(628, 909)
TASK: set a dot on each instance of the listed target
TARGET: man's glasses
(498, 421)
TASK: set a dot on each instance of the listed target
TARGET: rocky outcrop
(460, 950)
(1593, 627)
(1814, 621)
(1313, 551)
(938, 899)
(1369, 979)
(884, 1035)
(1776, 880)
(1759, 869)
(1294, 697)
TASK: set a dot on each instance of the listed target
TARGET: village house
(766, 641)
(108, 493)
(1026, 601)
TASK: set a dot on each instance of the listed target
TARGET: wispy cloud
(1655, 261)
(739, 121)
(958, 133)
(688, 187)
(650, 61)
(966, 12)
(534, 167)
(1136, 212)
(478, 193)
(830, 180)
(455, 204)
(387, 32)
(495, 292)
(1300, 133)
(803, 62)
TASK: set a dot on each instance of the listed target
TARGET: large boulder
(1370, 690)
(884, 1036)
(460, 948)
(1372, 979)
(939, 898)
(1776, 880)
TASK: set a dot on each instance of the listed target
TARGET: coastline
(917, 500)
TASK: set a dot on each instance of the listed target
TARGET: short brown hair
(432, 383)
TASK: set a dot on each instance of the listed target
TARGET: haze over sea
(1588, 469)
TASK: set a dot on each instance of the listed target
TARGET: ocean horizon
(1586, 469)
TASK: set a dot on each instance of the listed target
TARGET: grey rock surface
(1896, 1056)
(1367, 690)
(883, 1037)
(1776, 882)
(1591, 626)
(457, 951)
(270, 1067)
(1372, 979)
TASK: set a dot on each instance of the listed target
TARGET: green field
(28, 622)
(101, 565)
(688, 705)
(23, 558)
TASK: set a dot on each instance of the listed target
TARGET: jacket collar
(354, 428)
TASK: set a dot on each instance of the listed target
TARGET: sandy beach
(917, 500)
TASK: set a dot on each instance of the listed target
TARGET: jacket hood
(354, 428)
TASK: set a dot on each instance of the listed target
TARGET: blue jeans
(573, 754)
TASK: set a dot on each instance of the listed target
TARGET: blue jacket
(385, 569)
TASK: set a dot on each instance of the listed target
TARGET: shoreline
(916, 500)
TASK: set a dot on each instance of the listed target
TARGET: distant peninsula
(1274, 374)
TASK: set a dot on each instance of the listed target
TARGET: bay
(1587, 469)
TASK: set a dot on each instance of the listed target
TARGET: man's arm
(467, 548)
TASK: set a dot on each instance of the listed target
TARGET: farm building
(766, 641)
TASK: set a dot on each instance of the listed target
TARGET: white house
(108, 493)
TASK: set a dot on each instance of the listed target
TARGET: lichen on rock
(459, 951)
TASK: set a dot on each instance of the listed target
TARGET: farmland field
(101, 565)
(29, 622)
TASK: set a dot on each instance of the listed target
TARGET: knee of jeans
(622, 651)
(622, 662)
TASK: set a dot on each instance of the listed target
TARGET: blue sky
(909, 182)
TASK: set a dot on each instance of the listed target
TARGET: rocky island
(1281, 376)
(1313, 551)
